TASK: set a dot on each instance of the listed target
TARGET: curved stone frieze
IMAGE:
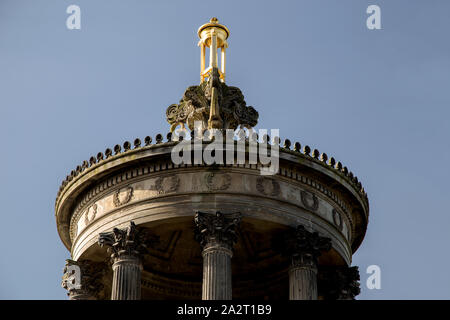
(147, 170)
(121, 198)
(143, 185)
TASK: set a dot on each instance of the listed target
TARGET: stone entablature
(145, 184)
(107, 156)
(117, 191)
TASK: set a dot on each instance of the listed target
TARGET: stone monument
(140, 226)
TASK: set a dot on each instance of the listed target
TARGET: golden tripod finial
(213, 103)
(214, 36)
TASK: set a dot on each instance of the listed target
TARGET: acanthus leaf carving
(130, 241)
(83, 279)
(196, 101)
(301, 242)
(216, 228)
(339, 282)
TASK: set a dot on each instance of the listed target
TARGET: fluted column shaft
(127, 246)
(303, 278)
(216, 234)
(126, 278)
(303, 248)
(217, 283)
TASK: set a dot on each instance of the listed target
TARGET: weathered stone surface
(163, 192)
(140, 182)
(83, 279)
(216, 229)
(216, 233)
(196, 102)
(126, 247)
(339, 282)
(304, 247)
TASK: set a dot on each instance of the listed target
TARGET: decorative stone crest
(339, 282)
(217, 181)
(216, 228)
(267, 186)
(307, 198)
(167, 184)
(83, 280)
(118, 201)
(90, 214)
(337, 219)
(196, 103)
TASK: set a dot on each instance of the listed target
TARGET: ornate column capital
(339, 282)
(305, 247)
(83, 279)
(128, 242)
(126, 247)
(216, 230)
(216, 233)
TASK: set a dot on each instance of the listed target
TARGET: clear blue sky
(377, 100)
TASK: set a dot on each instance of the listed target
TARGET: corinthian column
(349, 283)
(339, 282)
(126, 246)
(304, 248)
(82, 279)
(216, 234)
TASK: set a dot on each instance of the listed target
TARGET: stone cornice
(306, 153)
(87, 175)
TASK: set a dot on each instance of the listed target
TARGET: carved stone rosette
(83, 279)
(216, 234)
(126, 246)
(304, 248)
(339, 283)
